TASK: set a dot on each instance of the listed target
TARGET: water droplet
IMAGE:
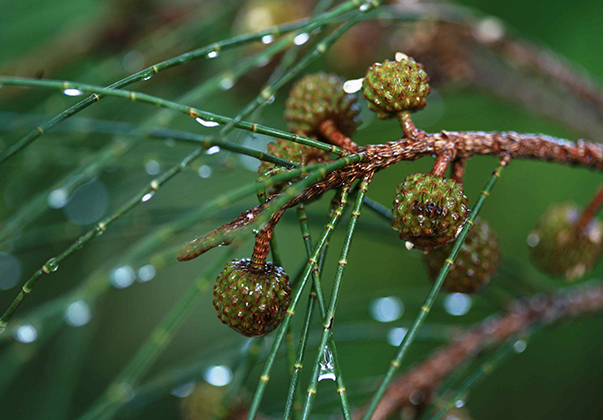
(147, 197)
(409, 245)
(206, 123)
(533, 239)
(77, 314)
(227, 83)
(457, 304)
(386, 309)
(270, 100)
(144, 79)
(212, 54)
(416, 397)
(401, 56)
(146, 273)
(72, 92)
(459, 403)
(123, 277)
(51, 265)
(489, 30)
(218, 375)
(301, 39)
(88, 203)
(184, 390)
(327, 366)
(396, 335)
(204, 171)
(352, 86)
(133, 61)
(10, 271)
(213, 150)
(152, 167)
(520, 346)
(58, 198)
(364, 7)
(122, 392)
(26, 333)
(267, 39)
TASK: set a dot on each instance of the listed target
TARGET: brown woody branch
(522, 314)
(457, 145)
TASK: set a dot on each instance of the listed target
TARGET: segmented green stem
(265, 377)
(316, 172)
(323, 46)
(204, 116)
(176, 61)
(416, 325)
(315, 293)
(330, 314)
(117, 392)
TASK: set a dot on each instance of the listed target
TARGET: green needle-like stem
(427, 305)
(312, 262)
(330, 314)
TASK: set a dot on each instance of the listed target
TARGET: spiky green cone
(319, 97)
(395, 86)
(252, 303)
(429, 211)
(558, 249)
(475, 264)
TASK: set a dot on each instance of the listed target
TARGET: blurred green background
(65, 368)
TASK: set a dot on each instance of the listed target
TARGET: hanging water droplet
(270, 100)
(206, 123)
(77, 314)
(386, 309)
(58, 198)
(147, 77)
(152, 167)
(227, 83)
(184, 390)
(204, 171)
(409, 245)
(133, 61)
(147, 197)
(459, 403)
(457, 304)
(352, 86)
(301, 39)
(520, 346)
(364, 7)
(26, 333)
(213, 150)
(51, 265)
(267, 39)
(123, 277)
(10, 271)
(327, 366)
(212, 54)
(396, 335)
(218, 375)
(72, 92)
(416, 397)
(146, 273)
(533, 239)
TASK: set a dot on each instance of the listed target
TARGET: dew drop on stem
(51, 265)
(327, 366)
(212, 54)
(72, 92)
(267, 39)
(207, 123)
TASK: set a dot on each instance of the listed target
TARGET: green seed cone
(475, 264)
(396, 86)
(252, 303)
(429, 211)
(558, 249)
(294, 153)
(319, 97)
